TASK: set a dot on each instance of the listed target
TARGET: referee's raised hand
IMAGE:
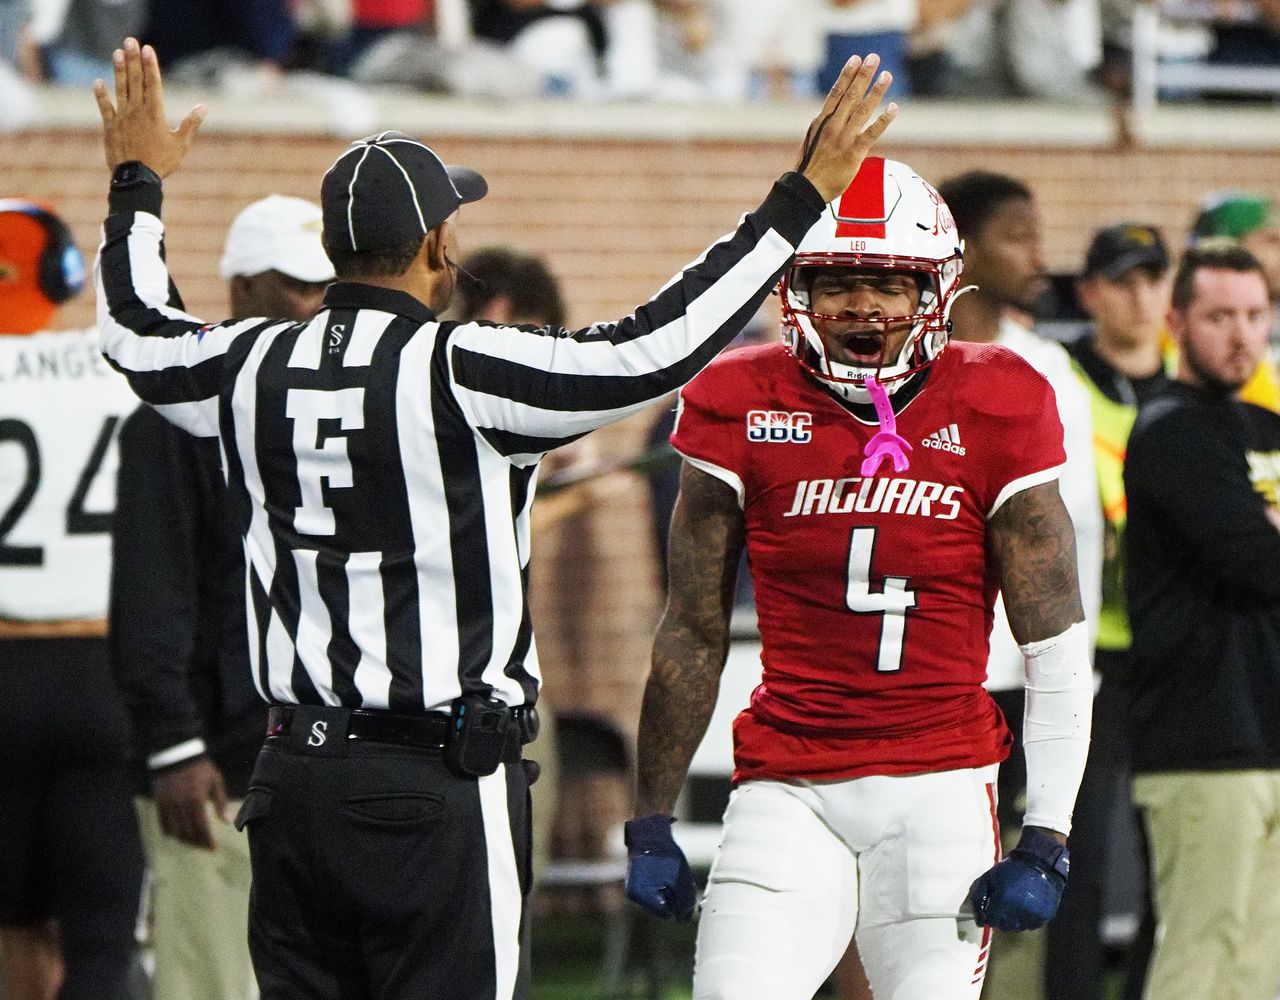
(134, 127)
(840, 137)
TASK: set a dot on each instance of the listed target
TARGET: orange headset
(40, 266)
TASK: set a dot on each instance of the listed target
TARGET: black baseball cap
(389, 188)
(1119, 249)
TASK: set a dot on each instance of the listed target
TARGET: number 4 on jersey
(893, 602)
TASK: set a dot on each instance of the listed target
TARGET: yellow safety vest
(1261, 389)
(1112, 423)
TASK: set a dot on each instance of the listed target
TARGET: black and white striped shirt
(382, 463)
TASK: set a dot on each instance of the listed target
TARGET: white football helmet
(891, 219)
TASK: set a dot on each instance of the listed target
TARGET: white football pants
(801, 865)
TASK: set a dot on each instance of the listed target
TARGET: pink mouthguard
(887, 442)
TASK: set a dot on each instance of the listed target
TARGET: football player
(70, 856)
(885, 484)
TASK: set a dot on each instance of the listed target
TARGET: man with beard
(1202, 479)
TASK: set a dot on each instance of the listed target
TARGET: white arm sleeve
(1055, 734)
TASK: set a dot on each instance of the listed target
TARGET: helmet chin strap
(951, 302)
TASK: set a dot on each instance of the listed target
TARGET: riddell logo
(946, 439)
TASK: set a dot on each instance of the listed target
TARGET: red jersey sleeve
(1036, 451)
(710, 428)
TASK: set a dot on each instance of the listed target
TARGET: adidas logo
(946, 439)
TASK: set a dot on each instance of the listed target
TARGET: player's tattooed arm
(1034, 545)
(693, 639)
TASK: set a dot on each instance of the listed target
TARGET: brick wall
(615, 218)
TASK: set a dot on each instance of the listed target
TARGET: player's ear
(241, 295)
(434, 250)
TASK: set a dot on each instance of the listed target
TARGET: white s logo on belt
(317, 736)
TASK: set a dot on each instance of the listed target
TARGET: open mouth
(860, 345)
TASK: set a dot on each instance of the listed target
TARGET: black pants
(380, 873)
(69, 844)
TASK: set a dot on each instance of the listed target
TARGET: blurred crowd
(670, 50)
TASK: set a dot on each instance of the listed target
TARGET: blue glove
(1022, 892)
(658, 876)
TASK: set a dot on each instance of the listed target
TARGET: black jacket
(177, 602)
(1203, 574)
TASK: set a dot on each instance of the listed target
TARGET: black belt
(428, 731)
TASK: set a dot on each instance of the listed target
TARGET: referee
(381, 466)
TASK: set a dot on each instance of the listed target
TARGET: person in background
(1124, 288)
(936, 23)
(1202, 543)
(177, 642)
(263, 30)
(1253, 220)
(74, 38)
(856, 25)
(765, 49)
(1250, 219)
(1246, 34)
(512, 288)
(564, 43)
(70, 854)
(370, 22)
(1000, 224)
(1040, 49)
(20, 68)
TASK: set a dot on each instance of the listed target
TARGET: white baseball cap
(277, 233)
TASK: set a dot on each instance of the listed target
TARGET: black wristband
(132, 174)
(1045, 849)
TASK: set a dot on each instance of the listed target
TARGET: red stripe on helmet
(863, 199)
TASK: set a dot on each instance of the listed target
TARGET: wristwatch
(132, 174)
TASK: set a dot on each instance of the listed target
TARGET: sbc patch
(779, 427)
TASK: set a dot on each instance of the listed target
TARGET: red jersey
(874, 595)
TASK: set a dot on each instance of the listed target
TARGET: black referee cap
(389, 188)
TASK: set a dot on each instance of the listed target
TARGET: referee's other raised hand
(846, 128)
(135, 127)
